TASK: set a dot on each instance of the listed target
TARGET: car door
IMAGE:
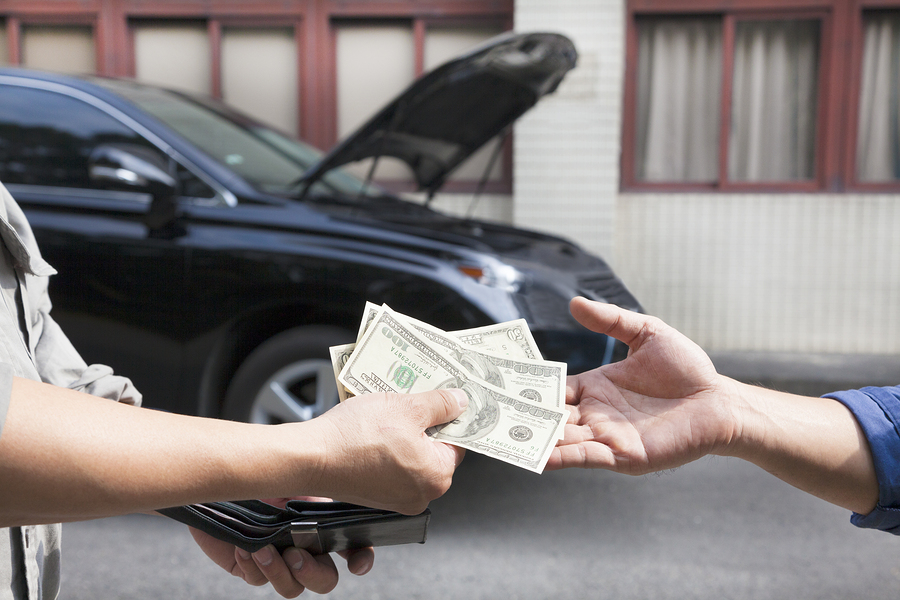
(119, 291)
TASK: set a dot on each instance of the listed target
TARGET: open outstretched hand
(655, 410)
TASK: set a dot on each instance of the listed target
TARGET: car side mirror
(137, 169)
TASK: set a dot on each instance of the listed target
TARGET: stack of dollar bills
(516, 409)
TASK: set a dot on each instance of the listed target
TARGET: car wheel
(287, 378)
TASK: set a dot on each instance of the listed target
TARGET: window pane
(679, 97)
(175, 56)
(374, 64)
(878, 135)
(64, 49)
(259, 74)
(444, 43)
(774, 93)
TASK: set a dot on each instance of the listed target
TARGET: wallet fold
(318, 527)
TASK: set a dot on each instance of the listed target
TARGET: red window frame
(840, 52)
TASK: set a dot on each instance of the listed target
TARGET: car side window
(46, 139)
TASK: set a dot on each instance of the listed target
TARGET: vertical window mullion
(629, 123)
(214, 28)
(419, 46)
(303, 95)
(728, 26)
(13, 40)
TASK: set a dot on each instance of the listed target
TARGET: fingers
(359, 562)
(449, 454)
(317, 573)
(584, 455)
(290, 574)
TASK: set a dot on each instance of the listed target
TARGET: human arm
(66, 456)
(665, 405)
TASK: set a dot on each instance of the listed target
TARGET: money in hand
(516, 407)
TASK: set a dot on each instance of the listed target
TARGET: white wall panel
(59, 48)
(774, 272)
(175, 56)
(259, 74)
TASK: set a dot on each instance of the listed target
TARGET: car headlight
(495, 274)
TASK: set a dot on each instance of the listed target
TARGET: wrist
(814, 444)
(298, 461)
(743, 420)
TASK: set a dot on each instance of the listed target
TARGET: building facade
(735, 161)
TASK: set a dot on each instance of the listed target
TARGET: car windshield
(269, 160)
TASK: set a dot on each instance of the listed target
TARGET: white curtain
(774, 91)
(679, 98)
(773, 102)
(877, 144)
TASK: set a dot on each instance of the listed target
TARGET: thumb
(609, 319)
(442, 406)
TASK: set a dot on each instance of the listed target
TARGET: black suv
(214, 260)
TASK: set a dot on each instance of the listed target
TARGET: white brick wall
(567, 148)
(770, 272)
(749, 272)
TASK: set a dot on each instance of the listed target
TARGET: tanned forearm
(66, 456)
(815, 444)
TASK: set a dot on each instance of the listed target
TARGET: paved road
(717, 529)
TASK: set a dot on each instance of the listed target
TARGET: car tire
(287, 378)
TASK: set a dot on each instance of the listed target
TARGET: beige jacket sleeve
(56, 360)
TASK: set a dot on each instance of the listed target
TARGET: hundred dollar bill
(369, 314)
(393, 357)
(510, 338)
(539, 381)
(339, 357)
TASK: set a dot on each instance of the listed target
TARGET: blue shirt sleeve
(877, 409)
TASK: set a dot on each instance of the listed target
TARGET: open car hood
(450, 112)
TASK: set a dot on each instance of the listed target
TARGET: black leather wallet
(318, 527)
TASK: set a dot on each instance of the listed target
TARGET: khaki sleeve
(60, 364)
